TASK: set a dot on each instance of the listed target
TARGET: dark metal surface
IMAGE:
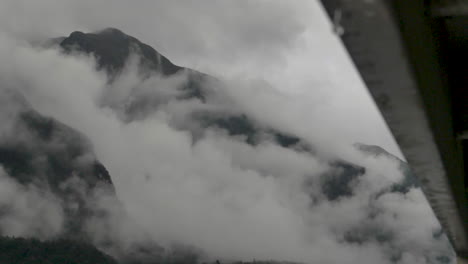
(411, 61)
(441, 8)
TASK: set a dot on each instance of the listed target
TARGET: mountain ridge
(112, 50)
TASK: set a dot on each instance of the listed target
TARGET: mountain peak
(104, 33)
(112, 31)
(112, 49)
(76, 34)
(376, 151)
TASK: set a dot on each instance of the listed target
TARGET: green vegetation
(61, 251)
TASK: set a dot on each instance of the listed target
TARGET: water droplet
(337, 27)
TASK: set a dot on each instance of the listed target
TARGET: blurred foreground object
(413, 57)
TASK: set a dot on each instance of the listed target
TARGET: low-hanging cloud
(230, 199)
(28, 211)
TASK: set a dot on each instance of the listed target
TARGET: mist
(231, 200)
(27, 211)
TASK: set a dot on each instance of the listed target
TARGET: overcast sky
(282, 65)
(289, 44)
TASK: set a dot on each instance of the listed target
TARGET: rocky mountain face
(40, 151)
(45, 152)
(408, 182)
(112, 48)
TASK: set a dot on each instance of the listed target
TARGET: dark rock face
(65, 152)
(113, 48)
(251, 132)
(52, 156)
(408, 182)
(338, 182)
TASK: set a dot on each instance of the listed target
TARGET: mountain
(47, 153)
(408, 182)
(40, 151)
(113, 49)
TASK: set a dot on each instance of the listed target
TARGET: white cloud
(232, 200)
(28, 211)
